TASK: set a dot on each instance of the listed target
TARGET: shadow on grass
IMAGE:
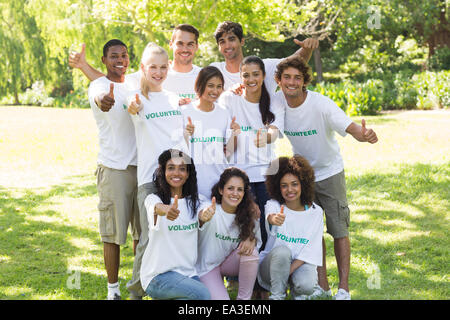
(399, 223)
(38, 254)
(401, 226)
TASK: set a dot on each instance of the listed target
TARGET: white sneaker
(319, 293)
(342, 295)
(114, 296)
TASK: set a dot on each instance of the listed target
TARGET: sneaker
(135, 297)
(114, 297)
(319, 293)
(342, 295)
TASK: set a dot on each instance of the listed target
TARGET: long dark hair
(245, 214)
(189, 191)
(264, 102)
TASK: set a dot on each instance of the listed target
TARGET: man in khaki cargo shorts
(310, 123)
(117, 160)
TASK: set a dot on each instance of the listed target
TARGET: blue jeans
(260, 192)
(172, 285)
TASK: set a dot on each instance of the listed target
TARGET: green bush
(77, 98)
(433, 89)
(36, 96)
(440, 60)
(402, 90)
(353, 97)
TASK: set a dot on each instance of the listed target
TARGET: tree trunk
(16, 97)
(16, 92)
(440, 37)
(318, 65)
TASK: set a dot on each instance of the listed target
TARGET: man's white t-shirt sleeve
(336, 118)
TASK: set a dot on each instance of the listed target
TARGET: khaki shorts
(118, 208)
(331, 196)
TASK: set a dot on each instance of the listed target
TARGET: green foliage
(433, 89)
(37, 96)
(426, 90)
(369, 40)
(353, 97)
(23, 55)
(441, 59)
(77, 98)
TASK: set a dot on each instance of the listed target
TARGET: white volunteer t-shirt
(310, 129)
(254, 161)
(117, 142)
(206, 144)
(172, 245)
(218, 238)
(231, 78)
(181, 83)
(158, 126)
(301, 232)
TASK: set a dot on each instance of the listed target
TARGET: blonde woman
(158, 125)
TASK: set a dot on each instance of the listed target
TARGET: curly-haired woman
(295, 226)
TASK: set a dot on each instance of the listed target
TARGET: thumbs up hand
(207, 214)
(135, 105)
(190, 128)
(277, 219)
(368, 134)
(235, 127)
(261, 138)
(111, 90)
(184, 101)
(78, 59)
(106, 100)
(238, 89)
(172, 211)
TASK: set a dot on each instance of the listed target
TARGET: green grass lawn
(398, 189)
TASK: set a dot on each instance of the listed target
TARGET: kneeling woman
(168, 265)
(295, 227)
(228, 243)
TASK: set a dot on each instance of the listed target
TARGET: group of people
(187, 159)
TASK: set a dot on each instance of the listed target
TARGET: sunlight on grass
(4, 258)
(16, 290)
(386, 237)
(398, 192)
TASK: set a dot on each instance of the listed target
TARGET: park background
(386, 61)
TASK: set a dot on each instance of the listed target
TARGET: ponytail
(264, 106)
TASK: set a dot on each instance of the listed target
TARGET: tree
(320, 17)
(22, 49)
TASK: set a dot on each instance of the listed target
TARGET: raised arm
(306, 49)
(361, 133)
(78, 60)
